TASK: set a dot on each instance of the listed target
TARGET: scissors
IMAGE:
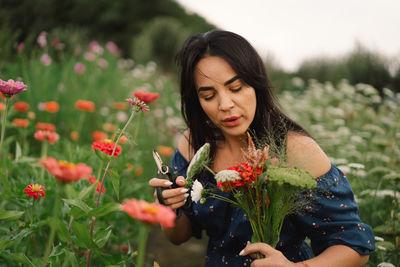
(164, 172)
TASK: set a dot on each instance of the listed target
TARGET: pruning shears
(164, 172)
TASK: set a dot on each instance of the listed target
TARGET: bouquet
(265, 188)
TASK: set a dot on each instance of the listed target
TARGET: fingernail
(181, 180)
(241, 252)
(184, 190)
(186, 195)
(168, 183)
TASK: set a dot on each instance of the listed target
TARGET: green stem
(3, 125)
(143, 233)
(53, 225)
(43, 155)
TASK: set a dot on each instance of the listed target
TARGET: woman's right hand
(173, 197)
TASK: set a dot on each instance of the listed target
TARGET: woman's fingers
(156, 182)
(253, 248)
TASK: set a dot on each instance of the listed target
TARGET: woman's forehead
(213, 69)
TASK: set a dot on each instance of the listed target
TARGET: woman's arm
(334, 256)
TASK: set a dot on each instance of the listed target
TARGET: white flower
(196, 192)
(356, 165)
(385, 264)
(227, 175)
(378, 238)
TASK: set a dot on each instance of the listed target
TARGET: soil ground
(188, 254)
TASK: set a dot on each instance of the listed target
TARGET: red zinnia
(45, 126)
(146, 97)
(23, 123)
(21, 106)
(99, 135)
(51, 106)
(85, 105)
(106, 146)
(35, 190)
(66, 171)
(151, 213)
(92, 180)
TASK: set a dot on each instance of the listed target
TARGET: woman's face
(225, 98)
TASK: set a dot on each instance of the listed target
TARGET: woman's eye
(206, 98)
(236, 89)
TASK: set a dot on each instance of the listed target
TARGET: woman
(225, 93)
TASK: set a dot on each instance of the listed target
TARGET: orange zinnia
(99, 135)
(21, 106)
(66, 172)
(120, 105)
(146, 97)
(74, 135)
(51, 137)
(35, 190)
(85, 105)
(151, 213)
(45, 126)
(2, 106)
(51, 106)
(23, 123)
(92, 180)
(165, 150)
(106, 146)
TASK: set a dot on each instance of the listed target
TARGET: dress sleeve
(180, 165)
(332, 216)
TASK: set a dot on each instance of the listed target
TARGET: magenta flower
(102, 63)
(79, 68)
(11, 87)
(89, 56)
(45, 59)
(113, 48)
(20, 47)
(42, 39)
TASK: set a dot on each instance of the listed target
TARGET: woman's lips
(231, 121)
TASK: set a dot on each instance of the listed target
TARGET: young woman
(225, 93)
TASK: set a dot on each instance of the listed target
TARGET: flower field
(73, 150)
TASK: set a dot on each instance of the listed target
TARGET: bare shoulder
(304, 152)
(183, 146)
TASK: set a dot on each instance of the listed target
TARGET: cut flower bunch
(265, 188)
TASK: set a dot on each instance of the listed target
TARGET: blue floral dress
(332, 218)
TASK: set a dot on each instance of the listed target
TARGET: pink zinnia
(79, 68)
(66, 172)
(51, 137)
(20, 47)
(11, 87)
(113, 48)
(45, 59)
(151, 213)
(102, 63)
(106, 146)
(89, 56)
(140, 105)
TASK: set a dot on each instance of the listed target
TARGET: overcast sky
(292, 30)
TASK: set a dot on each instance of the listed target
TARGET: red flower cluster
(247, 176)
(106, 146)
(35, 190)
(146, 97)
(99, 135)
(23, 123)
(51, 137)
(51, 106)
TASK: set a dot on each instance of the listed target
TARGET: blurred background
(335, 66)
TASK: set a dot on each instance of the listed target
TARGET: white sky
(292, 30)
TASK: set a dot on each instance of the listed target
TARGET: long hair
(269, 123)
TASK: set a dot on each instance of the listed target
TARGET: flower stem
(143, 233)
(43, 155)
(3, 125)
(53, 227)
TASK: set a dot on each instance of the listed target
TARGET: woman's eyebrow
(206, 88)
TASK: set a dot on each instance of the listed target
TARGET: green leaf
(62, 233)
(5, 244)
(22, 258)
(386, 245)
(70, 191)
(103, 236)
(103, 156)
(78, 203)
(21, 235)
(70, 259)
(83, 235)
(18, 151)
(105, 209)
(115, 181)
(10, 214)
(86, 191)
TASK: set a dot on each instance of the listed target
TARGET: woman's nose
(225, 103)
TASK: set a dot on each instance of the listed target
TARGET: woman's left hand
(273, 257)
